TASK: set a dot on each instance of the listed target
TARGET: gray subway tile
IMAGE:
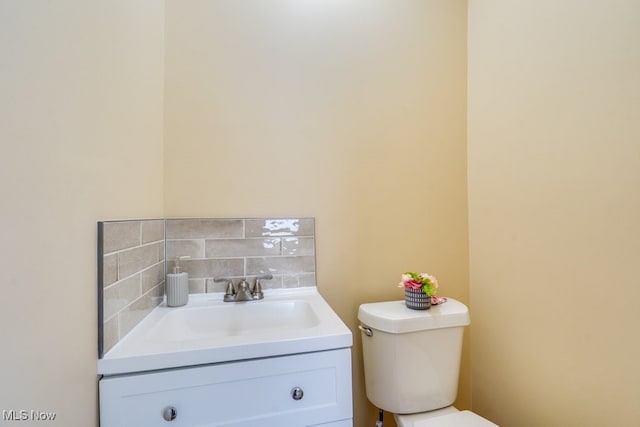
(299, 280)
(134, 260)
(196, 286)
(221, 248)
(109, 269)
(203, 228)
(152, 230)
(157, 295)
(138, 310)
(280, 265)
(203, 268)
(118, 235)
(120, 294)
(109, 334)
(275, 283)
(210, 286)
(152, 276)
(277, 227)
(191, 248)
(298, 246)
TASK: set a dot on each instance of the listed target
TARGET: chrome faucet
(242, 291)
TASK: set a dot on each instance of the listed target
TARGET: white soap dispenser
(177, 285)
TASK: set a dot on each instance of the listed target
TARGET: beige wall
(81, 140)
(554, 208)
(352, 112)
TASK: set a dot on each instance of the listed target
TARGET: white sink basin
(208, 330)
(199, 322)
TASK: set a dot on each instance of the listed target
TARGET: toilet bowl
(412, 362)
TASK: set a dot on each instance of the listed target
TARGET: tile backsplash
(130, 276)
(284, 247)
(133, 257)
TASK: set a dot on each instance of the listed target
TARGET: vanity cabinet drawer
(301, 390)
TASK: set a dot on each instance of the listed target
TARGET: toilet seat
(457, 419)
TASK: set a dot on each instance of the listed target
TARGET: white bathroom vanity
(282, 361)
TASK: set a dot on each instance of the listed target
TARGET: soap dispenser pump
(177, 285)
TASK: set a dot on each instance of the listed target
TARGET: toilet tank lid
(394, 316)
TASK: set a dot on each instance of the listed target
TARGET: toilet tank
(412, 357)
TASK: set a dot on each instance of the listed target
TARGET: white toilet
(412, 362)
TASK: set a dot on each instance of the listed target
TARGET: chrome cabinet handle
(170, 413)
(297, 393)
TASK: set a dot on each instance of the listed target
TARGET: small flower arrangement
(415, 281)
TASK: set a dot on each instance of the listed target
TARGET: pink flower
(412, 284)
(409, 282)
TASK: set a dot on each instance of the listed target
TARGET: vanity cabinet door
(293, 391)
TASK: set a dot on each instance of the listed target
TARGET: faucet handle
(257, 291)
(257, 287)
(230, 289)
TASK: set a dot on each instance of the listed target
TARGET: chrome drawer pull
(170, 413)
(297, 393)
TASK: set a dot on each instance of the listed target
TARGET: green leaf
(428, 288)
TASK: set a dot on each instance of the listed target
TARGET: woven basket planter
(416, 299)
